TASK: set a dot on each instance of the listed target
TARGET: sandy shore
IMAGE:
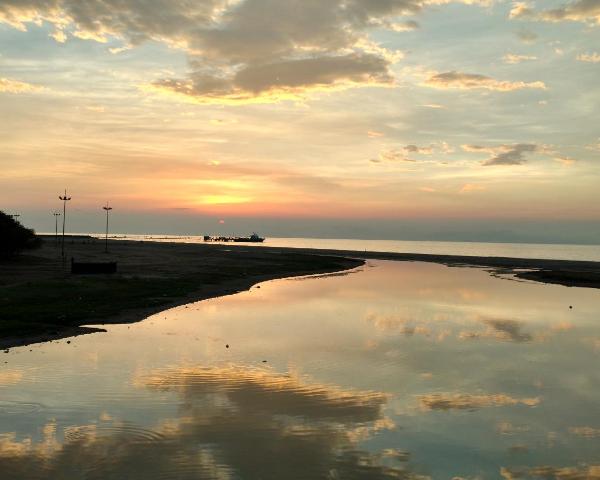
(40, 300)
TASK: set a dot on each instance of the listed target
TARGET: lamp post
(65, 199)
(56, 215)
(108, 209)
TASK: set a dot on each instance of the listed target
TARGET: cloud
(594, 146)
(587, 11)
(507, 428)
(464, 401)
(241, 51)
(407, 26)
(590, 472)
(96, 108)
(566, 161)
(589, 57)
(375, 134)
(510, 330)
(228, 422)
(519, 9)
(512, 156)
(512, 59)
(15, 86)
(99, 19)
(402, 153)
(472, 187)
(587, 432)
(505, 330)
(395, 155)
(527, 36)
(418, 150)
(286, 79)
(403, 326)
(469, 81)
(504, 154)
(117, 50)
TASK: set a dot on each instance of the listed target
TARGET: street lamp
(108, 209)
(65, 199)
(56, 215)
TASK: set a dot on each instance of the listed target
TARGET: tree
(14, 237)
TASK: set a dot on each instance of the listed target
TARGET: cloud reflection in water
(232, 422)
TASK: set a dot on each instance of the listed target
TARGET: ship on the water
(254, 238)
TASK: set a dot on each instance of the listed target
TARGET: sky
(399, 119)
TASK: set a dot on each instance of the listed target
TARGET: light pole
(65, 199)
(108, 209)
(56, 215)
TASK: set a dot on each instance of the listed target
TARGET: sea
(477, 249)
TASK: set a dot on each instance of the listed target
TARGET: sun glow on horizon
(326, 110)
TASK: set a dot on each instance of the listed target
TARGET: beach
(41, 300)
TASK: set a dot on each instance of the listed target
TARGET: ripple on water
(114, 450)
(121, 432)
(14, 407)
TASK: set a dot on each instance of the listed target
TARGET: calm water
(477, 249)
(398, 370)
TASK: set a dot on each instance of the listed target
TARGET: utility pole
(15, 216)
(65, 199)
(56, 215)
(108, 209)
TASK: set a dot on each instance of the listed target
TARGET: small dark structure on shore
(93, 267)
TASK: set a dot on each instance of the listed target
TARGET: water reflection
(401, 370)
(231, 423)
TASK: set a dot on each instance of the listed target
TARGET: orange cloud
(472, 81)
(586, 11)
(591, 472)
(589, 57)
(472, 187)
(15, 86)
(464, 401)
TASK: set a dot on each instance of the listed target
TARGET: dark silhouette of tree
(14, 237)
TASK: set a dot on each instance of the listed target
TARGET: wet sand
(40, 300)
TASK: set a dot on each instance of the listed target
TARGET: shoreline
(568, 273)
(195, 272)
(39, 297)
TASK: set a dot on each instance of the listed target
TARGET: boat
(254, 238)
